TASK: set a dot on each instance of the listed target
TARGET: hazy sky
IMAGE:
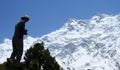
(49, 15)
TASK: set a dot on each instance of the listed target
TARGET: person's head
(25, 18)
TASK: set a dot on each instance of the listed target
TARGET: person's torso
(19, 30)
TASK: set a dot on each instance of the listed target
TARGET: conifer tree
(38, 58)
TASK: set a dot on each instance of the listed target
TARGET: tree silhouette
(38, 58)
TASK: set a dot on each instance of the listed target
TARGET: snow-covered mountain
(92, 44)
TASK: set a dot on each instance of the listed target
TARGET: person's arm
(25, 32)
(22, 29)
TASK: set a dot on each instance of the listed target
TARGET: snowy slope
(81, 44)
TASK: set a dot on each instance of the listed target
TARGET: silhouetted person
(17, 40)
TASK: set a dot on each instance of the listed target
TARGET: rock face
(91, 44)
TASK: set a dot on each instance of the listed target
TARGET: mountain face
(92, 44)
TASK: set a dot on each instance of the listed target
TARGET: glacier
(90, 44)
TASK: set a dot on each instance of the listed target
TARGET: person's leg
(20, 50)
(14, 53)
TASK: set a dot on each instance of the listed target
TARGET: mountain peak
(73, 20)
(74, 24)
(100, 16)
